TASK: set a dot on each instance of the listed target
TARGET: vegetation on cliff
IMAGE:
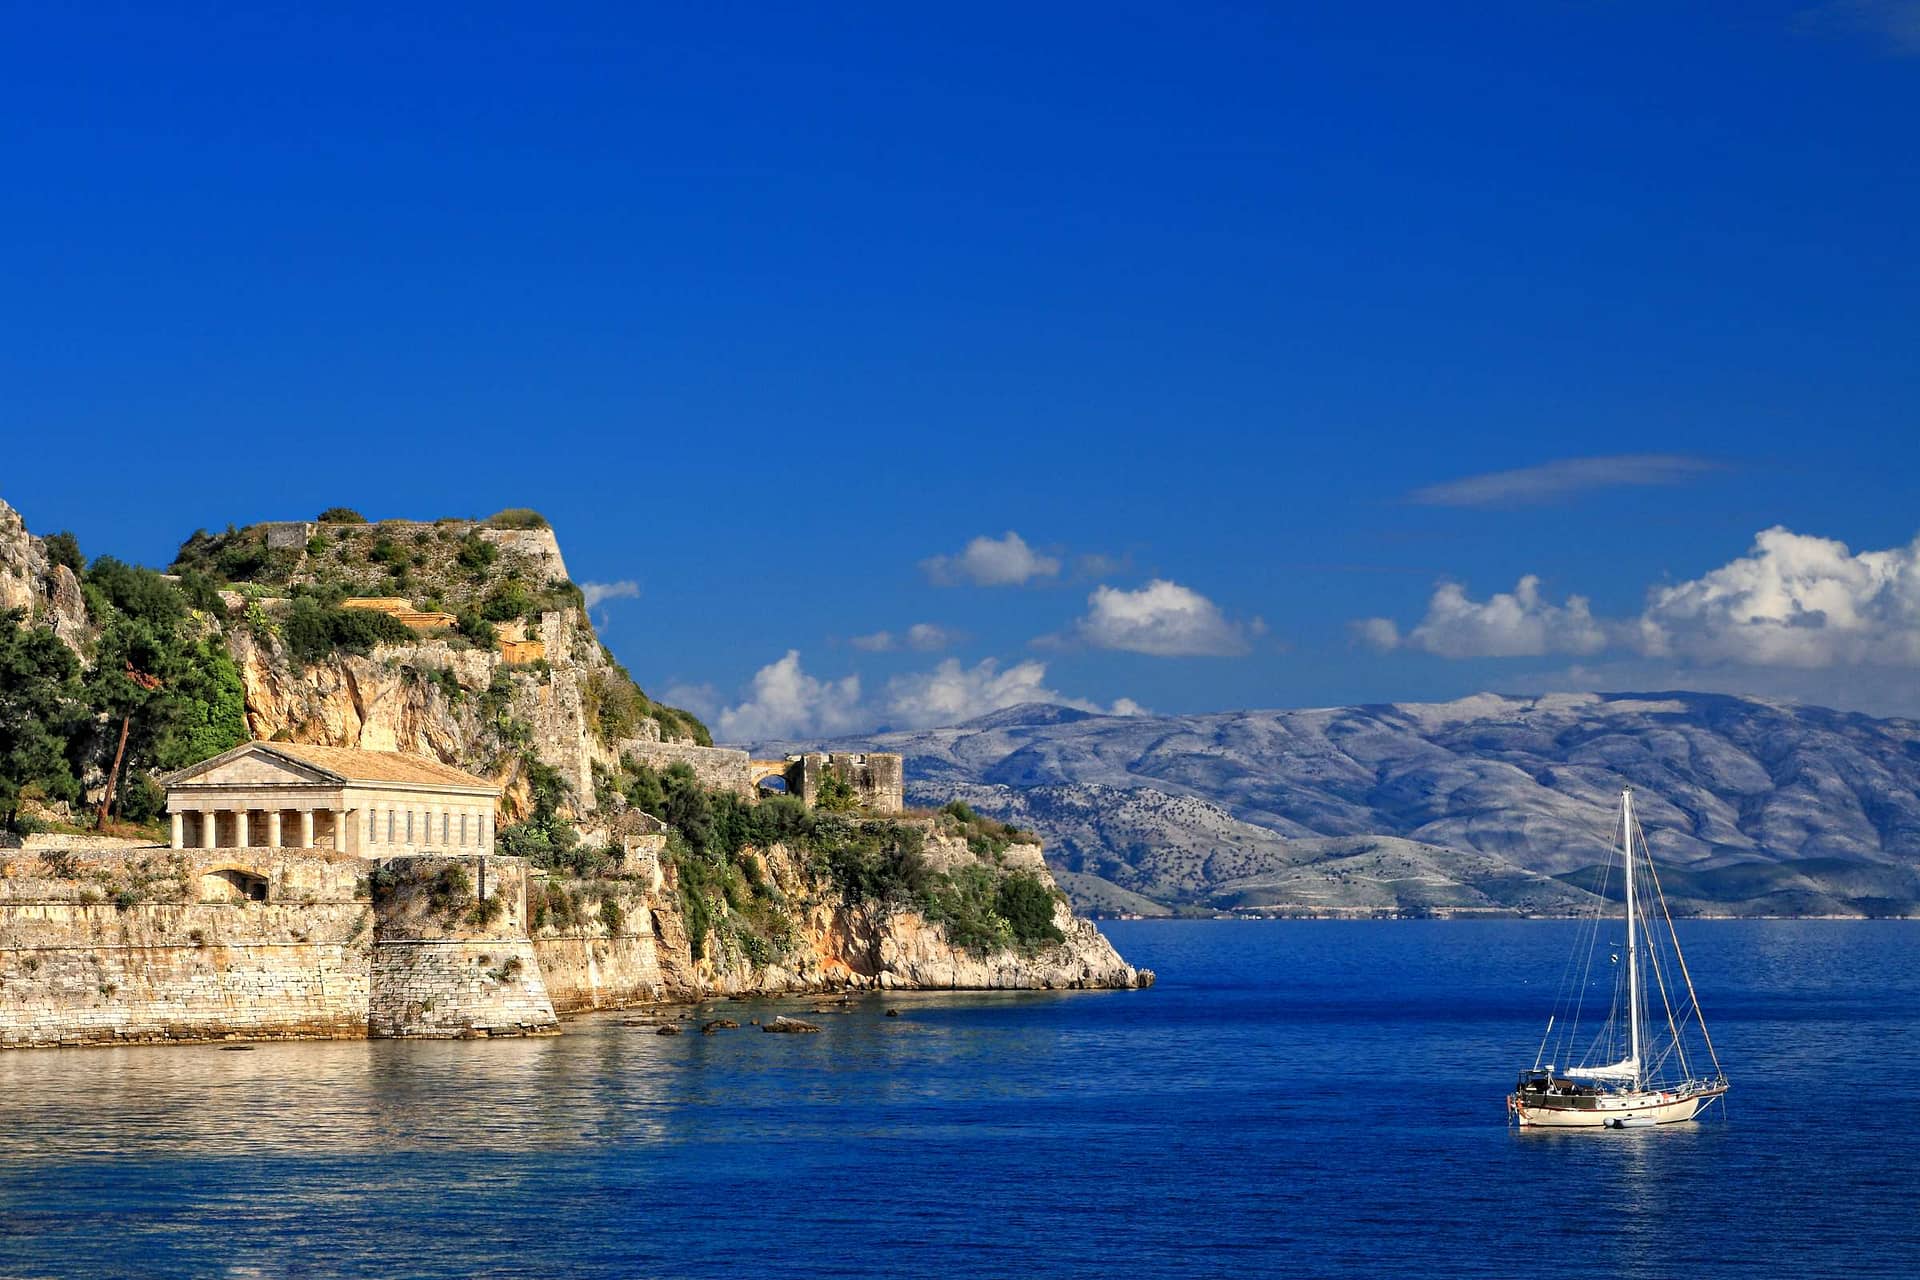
(715, 846)
(295, 591)
(152, 666)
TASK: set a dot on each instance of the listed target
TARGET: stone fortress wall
(878, 778)
(538, 545)
(150, 944)
(144, 944)
(451, 956)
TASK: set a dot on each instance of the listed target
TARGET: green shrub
(963, 902)
(516, 518)
(1026, 904)
(341, 515)
(450, 891)
(475, 628)
(985, 836)
(835, 794)
(314, 632)
(506, 602)
(476, 554)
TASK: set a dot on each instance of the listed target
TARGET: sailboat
(1642, 1066)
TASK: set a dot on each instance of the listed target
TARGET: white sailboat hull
(1611, 1111)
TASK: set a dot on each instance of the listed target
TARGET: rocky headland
(635, 861)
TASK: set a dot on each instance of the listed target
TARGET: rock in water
(718, 1024)
(784, 1023)
(668, 1029)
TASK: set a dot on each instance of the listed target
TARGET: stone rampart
(116, 946)
(722, 768)
(451, 956)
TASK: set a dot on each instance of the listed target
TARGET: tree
(341, 515)
(39, 710)
(64, 548)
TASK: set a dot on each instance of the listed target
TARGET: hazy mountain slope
(1212, 808)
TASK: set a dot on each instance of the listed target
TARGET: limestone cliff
(642, 948)
(30, 581)
(465, 706)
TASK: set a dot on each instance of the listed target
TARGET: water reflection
(1229, 1121)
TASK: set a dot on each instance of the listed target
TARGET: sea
(1300, 1098)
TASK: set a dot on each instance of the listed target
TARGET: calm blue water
(1300, 1098)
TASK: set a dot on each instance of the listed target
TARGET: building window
(391, 818)
(409, 826)
(463, 830)
(445, 818)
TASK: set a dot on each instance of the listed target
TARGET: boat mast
(1633, 966)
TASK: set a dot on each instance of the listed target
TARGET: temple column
(240, 829)
(209, 827)
(339, 830)
(306, 828)
(179, 824)
(273, 829)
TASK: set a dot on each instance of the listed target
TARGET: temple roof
(346, 765)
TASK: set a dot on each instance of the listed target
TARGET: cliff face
(29, 580)
(645, 949)
(464, 706)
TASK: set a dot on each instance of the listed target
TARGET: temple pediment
(253, 765)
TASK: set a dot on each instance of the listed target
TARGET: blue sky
(775, 311)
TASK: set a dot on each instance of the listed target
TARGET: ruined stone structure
(878, 778)
(402, 611)
(277, 795)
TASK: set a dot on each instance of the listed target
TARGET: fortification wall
(721, 767)
(451, 956)
(135, 946)
(878, 778)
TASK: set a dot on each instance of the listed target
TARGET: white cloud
(786, 702)
(702, 699)
(1551, 480)
(951, 693)
(991, 562)
(1504, 625)
(1382, 634)
(1793, 601)
(921, 637)
(1164, 619)
(599, 592)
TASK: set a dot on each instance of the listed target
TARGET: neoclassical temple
(289, 795)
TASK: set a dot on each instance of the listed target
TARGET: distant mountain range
(1752, 807)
